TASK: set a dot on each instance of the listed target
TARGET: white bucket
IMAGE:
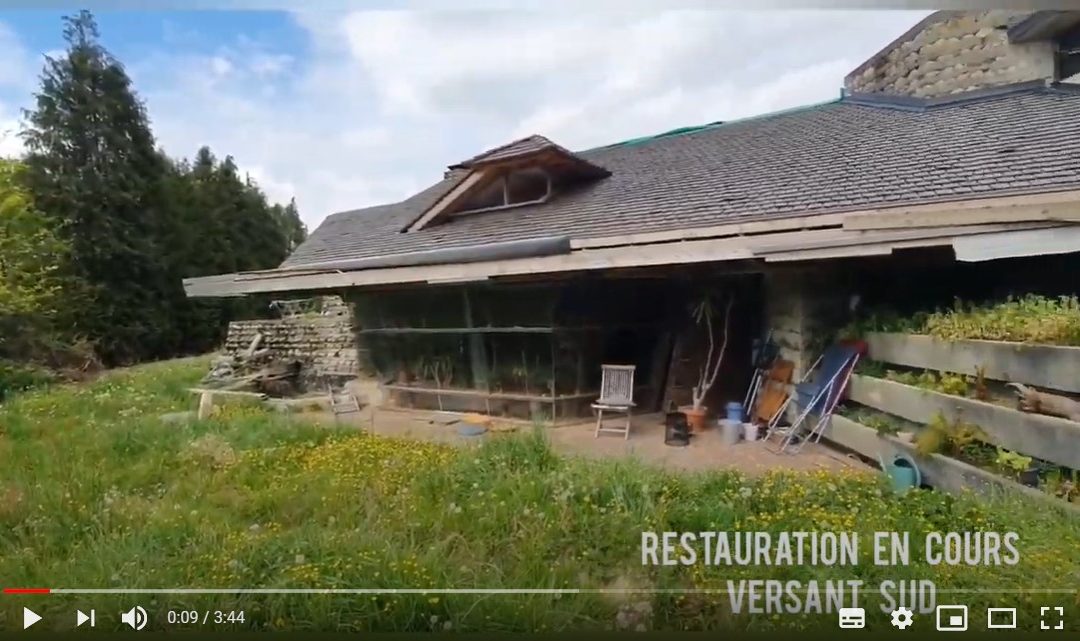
(750, 431)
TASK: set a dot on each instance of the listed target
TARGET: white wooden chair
(616, 395)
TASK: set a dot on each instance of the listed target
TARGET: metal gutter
(530, 248)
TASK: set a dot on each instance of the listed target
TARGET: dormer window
(508, 189)
(525, 172)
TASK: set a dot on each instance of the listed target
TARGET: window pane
(489, 196)
(527, 185)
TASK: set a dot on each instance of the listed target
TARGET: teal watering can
(902, 471)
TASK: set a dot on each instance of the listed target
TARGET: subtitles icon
(852, 618)
(1000, 618)
(952, 618)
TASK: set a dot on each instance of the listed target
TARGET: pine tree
(93, 167)
(289, 219)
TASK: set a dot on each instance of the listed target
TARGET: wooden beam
(1055, 207)
(1046, 437)
(475, 393)
(818, 221)
(706, 250)
(838, 238)
(668, 254)
(1045, 366)
(458, 330)
(712, 231)
(451, 197)
(477, 350)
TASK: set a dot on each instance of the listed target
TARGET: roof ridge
(921, 103)
(693, 129)
(542, 140)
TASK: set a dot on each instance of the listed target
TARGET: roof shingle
(845, 155)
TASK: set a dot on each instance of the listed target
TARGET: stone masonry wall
(957, 52)
(323, 342)
(804, 307)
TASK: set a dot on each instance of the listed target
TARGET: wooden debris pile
(253, 370)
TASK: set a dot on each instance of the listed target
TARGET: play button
(29, 618)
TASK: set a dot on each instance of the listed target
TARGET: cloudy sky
(348, 109)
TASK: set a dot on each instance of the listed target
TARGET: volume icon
(81, 618)
(135, 617)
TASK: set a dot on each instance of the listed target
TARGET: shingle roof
(856, 153)
(521, 147)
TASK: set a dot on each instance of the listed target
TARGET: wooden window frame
(504, 179)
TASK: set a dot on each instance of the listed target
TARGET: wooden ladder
(677, 390)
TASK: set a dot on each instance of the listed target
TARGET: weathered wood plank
(1050, 366)
(1060, 206)
(1046, 437)
(1067, 212)
(941, 472)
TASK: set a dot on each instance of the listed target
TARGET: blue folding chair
(818, 396)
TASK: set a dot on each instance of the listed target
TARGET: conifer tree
(93, 167)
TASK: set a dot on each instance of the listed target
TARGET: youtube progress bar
(424, 591)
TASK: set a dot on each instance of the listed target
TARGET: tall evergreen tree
(289, 219)
(93, 166)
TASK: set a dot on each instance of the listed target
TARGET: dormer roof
(491, 171)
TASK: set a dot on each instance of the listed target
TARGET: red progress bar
(26, 590)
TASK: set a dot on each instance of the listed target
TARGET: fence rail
(1046, 437)
(941, 472)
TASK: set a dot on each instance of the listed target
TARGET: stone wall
(324, 342)
(804, 308)
(952, 52)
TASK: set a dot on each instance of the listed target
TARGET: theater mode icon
(852, 618)
(952, 618)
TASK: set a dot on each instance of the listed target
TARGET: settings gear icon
(901, 618)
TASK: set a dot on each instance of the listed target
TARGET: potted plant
(702, 313)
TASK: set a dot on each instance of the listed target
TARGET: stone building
(948, 168)
(952, 52)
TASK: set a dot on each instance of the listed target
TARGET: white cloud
(220, 66)
(383, 101)
(10, 144)
(16, 78)
(15, 72)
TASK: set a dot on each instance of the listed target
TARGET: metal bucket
(730, 431)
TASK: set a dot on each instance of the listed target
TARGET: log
(1036, 402)
(253, 346)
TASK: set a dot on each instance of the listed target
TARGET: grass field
(95, 491)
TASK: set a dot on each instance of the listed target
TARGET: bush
(1030, 319)
(1027, 319)
(17, 377)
